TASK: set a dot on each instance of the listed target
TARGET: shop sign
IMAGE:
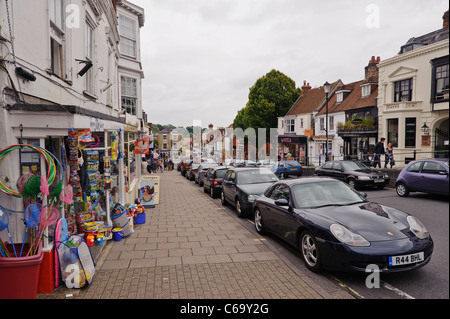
(292, 139)
(149, 190)
(309, 132)
(142, 146)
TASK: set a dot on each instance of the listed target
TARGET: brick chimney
(445, 18)
(371, 70)
(305, 87)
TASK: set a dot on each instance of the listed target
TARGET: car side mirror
(282, 202)
(363, 194)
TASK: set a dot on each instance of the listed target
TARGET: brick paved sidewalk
(191, 247)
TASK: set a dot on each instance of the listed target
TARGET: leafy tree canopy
(270, 97)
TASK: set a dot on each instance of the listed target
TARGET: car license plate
(380, 180)
(293, 169)
(406, 259)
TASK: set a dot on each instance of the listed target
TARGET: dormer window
(339, 97)
(365, 90)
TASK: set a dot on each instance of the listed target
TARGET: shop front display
(71, 191)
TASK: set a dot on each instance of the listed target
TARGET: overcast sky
(200, 57)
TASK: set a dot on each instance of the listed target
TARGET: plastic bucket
(117, 234)
(139, 219)
(119, 220)
(128, 227)
(19, 276)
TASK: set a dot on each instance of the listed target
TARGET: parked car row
(332, 224)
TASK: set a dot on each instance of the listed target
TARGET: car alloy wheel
(259, 222)
(211, 192)
(239, 208)
(222, 198)
(402, 190)
(310, 251)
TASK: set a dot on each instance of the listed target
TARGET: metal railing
(401, 158)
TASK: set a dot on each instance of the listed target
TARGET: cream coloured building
(413, 97)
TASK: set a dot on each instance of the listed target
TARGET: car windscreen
(256, 176)
(320, 194)
(354, 166)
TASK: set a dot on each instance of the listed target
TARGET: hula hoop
(98, 141)
(49, 158)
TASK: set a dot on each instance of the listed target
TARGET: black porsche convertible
(336, 228)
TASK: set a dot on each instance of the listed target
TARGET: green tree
(270, 97)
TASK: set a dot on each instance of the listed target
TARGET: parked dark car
(212, 183)
(286, 168)
(242, 185)
(190, 174)
(355, 173)
(186, 165)
(336, 228)
(201, 172)
(428, 176)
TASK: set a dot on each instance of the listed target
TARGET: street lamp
(326, 88)
(425, 128)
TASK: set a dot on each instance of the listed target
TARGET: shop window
(410, 132)
(403, 90)
(392, 125)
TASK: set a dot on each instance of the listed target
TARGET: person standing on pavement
(379, 149)
(144, 165)
(389, 156)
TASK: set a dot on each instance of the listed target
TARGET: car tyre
(402, 190)
(204, 189)
(211, 192)
(310, 251)
(239, 211)
(259, 224)
(222, 198)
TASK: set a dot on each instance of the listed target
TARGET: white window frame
(89, 51)
(129, 96)
(57, 45)
(365, 90)
(127, 37)
(289, 125)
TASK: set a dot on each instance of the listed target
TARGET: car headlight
(364, 178)
(252, 198)
(386, 176)
(417, 227)
(347, 237)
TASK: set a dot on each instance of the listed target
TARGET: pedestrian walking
(170, 165)
(161, 165)
(144, 165)
(378, 151)
(389, 156)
